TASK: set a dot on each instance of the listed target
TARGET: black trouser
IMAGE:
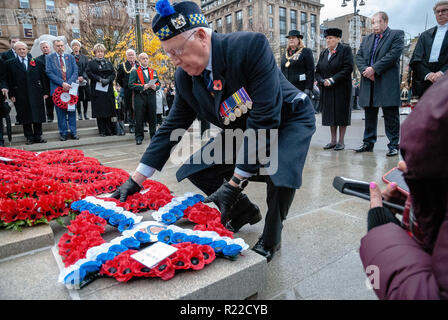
(278, 199)
(129, 112)
(145, 110)
(104, 126)
(85, 104)
(391, 123)
(2, 142)
(32, 131)
(49, 108)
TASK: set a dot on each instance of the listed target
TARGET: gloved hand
(104, 82)
(309, 93)
(126, 189)
(379, 216)
(225, 197)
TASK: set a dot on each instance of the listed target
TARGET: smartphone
(396, 175)
(360, 189)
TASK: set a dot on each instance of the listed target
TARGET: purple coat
(410, 268)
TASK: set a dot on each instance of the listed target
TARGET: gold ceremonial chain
(295, 56)
(128, 71)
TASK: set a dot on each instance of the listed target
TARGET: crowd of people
(31, 85)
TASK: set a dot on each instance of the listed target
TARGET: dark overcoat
(83, 91)
(303, 66)
(28, 87)
(386, 62)
(420, 61)
(103, 103)
(335, 100)
(241, 59)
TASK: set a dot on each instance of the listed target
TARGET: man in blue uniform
(232, 81)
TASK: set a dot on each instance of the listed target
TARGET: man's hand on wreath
(66, 86)
(126, 189)
(224, 198)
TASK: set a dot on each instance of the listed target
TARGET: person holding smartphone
(411, 256)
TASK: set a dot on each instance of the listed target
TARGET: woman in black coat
(102, 74)
(83, 91)
(334, 75)
(298, 63)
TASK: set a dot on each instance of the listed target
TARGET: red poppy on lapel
(32, 63)
(217, 85)
(333, 52)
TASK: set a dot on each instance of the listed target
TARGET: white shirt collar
(445, 26)
(209, 64)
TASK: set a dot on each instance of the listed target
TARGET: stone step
(30, 238)
(53, 126)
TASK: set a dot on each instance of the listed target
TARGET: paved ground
(319, 258)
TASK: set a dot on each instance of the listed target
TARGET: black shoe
(40, 140)
(392, 152)
(329, 146)
(63, 138)
(50, 120)
(244, 212)
(79, 117)
(138, 142)
(364, 148)
(268, 253)
(29, 141)
(74, 137)
(339, 147)
(131, 130)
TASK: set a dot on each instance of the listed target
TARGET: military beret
(175, 19)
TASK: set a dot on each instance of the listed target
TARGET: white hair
(129, 51)
(43, 42)
(188, 33)
(75, 42)
(19, 42)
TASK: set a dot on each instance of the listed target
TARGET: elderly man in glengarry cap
(232, 81)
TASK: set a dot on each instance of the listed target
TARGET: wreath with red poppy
(63, 99)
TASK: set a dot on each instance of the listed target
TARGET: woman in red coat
(414, 264)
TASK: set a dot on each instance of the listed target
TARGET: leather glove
(104, 82)
(225, 197)
(309, 93)
(379, 216)
(126, 189)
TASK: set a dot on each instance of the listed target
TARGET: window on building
(219, 25)
(1, 31)
(27, 30)
(239, 20)
(53, 30)
(271, 9)
(282, 23)
(24, 4)
(271, 23)
(49, 5)
(99, 34)
(313, 20)
(303, 25)
(97, 12)
(210, 24)
(76, 33)
(249, 11)
(251, 24)
(229, 23)
(293, 18)
(73, 8)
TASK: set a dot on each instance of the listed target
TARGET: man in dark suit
(378, 60)
(232, 81)
(27, 88)
(11, 53)
(430, 58)
(49, 105)
(3, 96)
(123, 72)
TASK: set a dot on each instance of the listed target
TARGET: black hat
(335, 32)
(172, 20)
(294, 33)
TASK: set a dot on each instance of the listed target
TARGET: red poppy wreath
(63, 99)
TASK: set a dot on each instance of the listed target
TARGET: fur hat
(335, 32)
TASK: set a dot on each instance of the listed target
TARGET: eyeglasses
(441, 11)
(177, 52)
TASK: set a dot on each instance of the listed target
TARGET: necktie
(375, 45)
(61, 62)
(24, 64)
(208, 80)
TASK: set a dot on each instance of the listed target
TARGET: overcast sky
(408, 15)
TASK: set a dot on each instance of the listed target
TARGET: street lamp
(355, 14)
